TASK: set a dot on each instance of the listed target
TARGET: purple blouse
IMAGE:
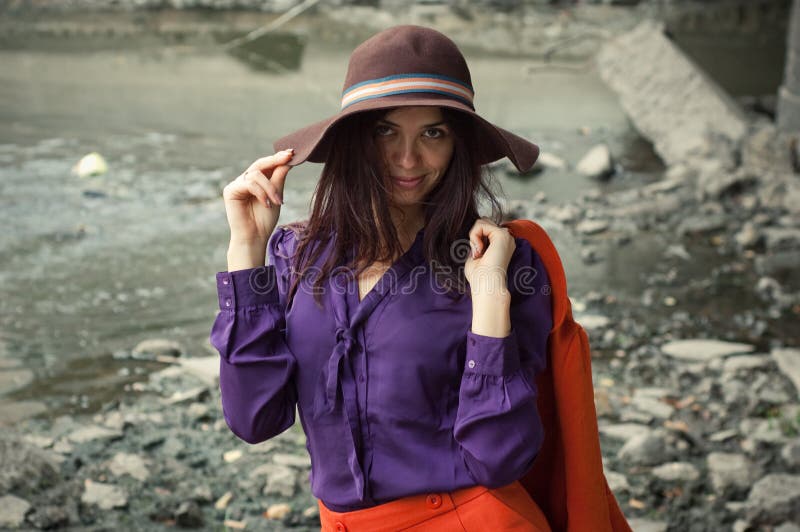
(395, 394)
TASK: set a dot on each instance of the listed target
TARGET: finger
(279, 178)
(480, 229)
(256, 190)
(266, 184)
(266, 164)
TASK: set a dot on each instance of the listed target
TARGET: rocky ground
(697, 378)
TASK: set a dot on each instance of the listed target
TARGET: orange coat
(567, 479)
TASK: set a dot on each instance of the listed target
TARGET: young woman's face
(416, 146)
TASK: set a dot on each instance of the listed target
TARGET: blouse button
(225, 280)
(434, 501)
(340, 527)
(361, 378)
(471, 364)
(227, 302)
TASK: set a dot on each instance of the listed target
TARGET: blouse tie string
(345, 342)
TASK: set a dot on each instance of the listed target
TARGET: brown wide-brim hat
(405, 66)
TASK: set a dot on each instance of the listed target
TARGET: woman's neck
(407, 224)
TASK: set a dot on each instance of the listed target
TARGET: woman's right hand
(253, 200)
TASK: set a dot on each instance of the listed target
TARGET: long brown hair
(350, 209)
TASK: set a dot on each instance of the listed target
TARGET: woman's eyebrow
(426, 126)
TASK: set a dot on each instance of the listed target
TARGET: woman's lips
(407, 182)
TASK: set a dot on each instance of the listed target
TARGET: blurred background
(668, 181)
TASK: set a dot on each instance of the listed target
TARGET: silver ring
(244, 175)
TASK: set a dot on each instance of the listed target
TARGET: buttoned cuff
(487, 355)
(247, 288)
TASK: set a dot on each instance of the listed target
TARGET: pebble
(676, 472)
(788, 361)
(775, 498)
(104, 496)
(278, 511)
(223, 501)
(703, 350)
(591, 227)
(94, 433)
(158, 347)
(232, 456)
(597, 162)
(292, 460)
(13, 511)
(731, 470)
(647, 525)
(790, 454)
(745, 363)
(645, 449)
(129, 464)
(617, 482)
(281, 480)
(624, 431)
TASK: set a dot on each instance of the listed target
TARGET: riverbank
(695, 349)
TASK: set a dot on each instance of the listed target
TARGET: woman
(410, 362)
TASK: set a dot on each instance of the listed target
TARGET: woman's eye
(434, 133)
(382, 131)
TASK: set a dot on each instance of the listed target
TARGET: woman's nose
(406, 155)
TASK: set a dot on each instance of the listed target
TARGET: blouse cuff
(247, 288)
(487, 355)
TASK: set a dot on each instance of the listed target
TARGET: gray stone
(592, 322)
(778, 262)
(597, 162)
(15, 379)
(198, 411)
(281, 480)
(204, 368)
(704, 350)
(723, 435)
(791, 453)
(590, 227)
(158, 347)
(646, 449)
(104, 496)
(781, 238)
(698, 224)
(617, 482)
(25, 467)
(13, 511)
(748, 236)
(775, 498)
(676, 472)
(788, 361)
(670, 100)
(731, 470)
(745, 363)
(129, 464)
(624, 431)
(292, 460)
(94, 433)
(550, 160)
(639, 524)
(12, 412)
(762, 430)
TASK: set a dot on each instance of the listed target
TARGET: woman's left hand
(486, 268)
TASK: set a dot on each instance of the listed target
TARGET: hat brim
(312, 143)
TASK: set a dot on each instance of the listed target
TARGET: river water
(91, 266)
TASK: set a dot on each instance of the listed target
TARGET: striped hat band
(408, 83)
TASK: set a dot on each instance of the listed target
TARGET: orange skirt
(476, 509)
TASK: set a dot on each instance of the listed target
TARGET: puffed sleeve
(256, 366)
(497, 424)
